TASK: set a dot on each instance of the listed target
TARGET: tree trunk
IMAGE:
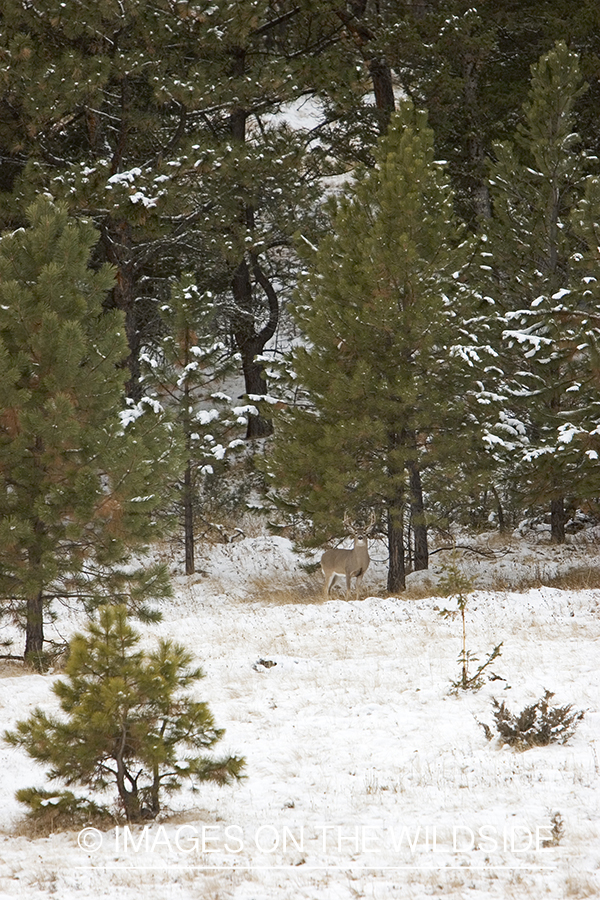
(500, 510)
(376, 63)
(557, 520)
(381, 78)
(34, 627)
(129, 797)
(396, 570)
(188, 519)
(153, 799)
(417, 514)
(476, 151)
(119, 252)
(34, 630)
(250, 343)
(188, 481)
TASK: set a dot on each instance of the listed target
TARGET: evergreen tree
(78, 478)
(128, 720)
(535, 183)
(579, 432)
(468, 63)
(381, 376)
(157, 121)
(187, 371)
(99, 105)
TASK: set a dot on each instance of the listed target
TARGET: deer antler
(348, 525)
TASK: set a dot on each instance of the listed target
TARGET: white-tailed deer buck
(348, 563)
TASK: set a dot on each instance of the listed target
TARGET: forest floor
(366, 775)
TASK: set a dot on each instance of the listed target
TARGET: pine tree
(536, 182)
(128, 719)
(579, 433)
(78, 477)
(469, 65)
(380, 379)
(157, 122)
(187, 371)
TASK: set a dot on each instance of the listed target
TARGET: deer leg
(359, 579)
(348, 584)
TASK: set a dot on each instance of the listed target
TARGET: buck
(349, 563)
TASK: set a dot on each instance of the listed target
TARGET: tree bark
(417, 513)
(480, 192)
(557, 520)
(396, 568)
(377, 65)
(188, 481)
(188, 519)
(34, 627)
(118, 244)
(129, 797)
(500, 510)
(250, 344)
(34, 630)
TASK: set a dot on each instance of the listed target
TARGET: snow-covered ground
(366, 777)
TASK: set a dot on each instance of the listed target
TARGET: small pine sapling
(536, 725)
(128, 720)
(454, 583)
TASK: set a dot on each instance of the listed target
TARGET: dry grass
(584, 885)
(580, 578)
(10, 668)
(34, 827)
(420, 591)
(52, 661)
(273, 592)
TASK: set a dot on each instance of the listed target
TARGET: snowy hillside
(366, 777)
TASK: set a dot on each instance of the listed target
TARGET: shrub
(50, 810)
(535, 726)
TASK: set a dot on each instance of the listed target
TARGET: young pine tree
(536, 182)
(127, 720)
(381, 377)
(77, 477)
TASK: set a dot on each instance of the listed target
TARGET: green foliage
(469, 65)
(541, 377)
(186, 370)
(59, 809)
(128, 719)
(456, 584)
(537, 725)
(156, 121)
(78, 478)
(379, 386)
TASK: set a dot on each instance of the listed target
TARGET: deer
(349, 563)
